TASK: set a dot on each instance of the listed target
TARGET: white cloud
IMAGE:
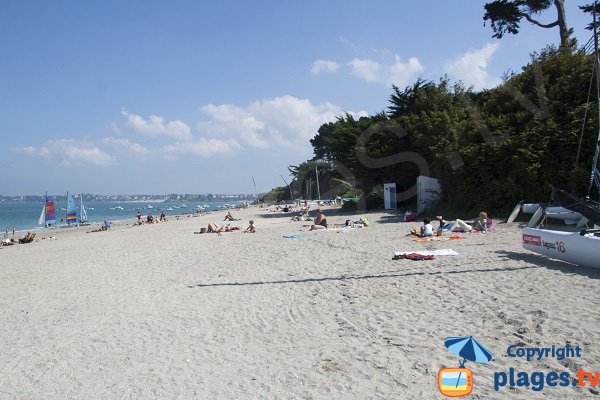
(69, 152)
(284, 121)
(324, 66)
(127, 146)
(398, 73)
(471, 67)
(156, 126)
(367, 70)
(201, 147)
(29, 150)
(227, 119)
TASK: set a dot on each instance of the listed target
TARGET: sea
(24, 216)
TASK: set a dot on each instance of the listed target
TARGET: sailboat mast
(318, 188)
(597, 62)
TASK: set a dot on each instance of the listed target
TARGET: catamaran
(71, 211)
(82, 211)
(580, 248)
(48, 215)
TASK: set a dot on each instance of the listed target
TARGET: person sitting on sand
(229, 217)
(481, 223)
(149, 219)
(251, 228)
(27, 238)
(320, 221)
(426, 229)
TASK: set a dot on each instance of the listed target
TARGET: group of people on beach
(481, 224)
(28, 238)
(218, 229)
(150, 218)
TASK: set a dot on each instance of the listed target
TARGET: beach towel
(299, 235)
(440, 252)
(437, 238)
(489, 225)
(414, 257)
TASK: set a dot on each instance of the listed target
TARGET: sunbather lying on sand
(480, 224)
(216, 228)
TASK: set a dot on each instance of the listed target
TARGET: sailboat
(82, 211)
(48, 215)
(71, 211)
(580, 248)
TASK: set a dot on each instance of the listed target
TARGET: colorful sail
(50, 211)
(71, 212)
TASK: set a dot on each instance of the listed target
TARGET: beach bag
(410, 216)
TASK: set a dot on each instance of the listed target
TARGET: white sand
(159, 312)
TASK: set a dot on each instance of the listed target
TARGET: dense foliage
(490, 149)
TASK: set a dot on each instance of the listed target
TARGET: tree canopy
(505, 16)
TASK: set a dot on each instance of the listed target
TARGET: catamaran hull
(561, 213)
(565, 246)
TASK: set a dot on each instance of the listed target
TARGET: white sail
(42, 219)
(82, 212)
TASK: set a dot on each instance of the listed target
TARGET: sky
(194, 96)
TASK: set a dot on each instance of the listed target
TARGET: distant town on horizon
(137, 197)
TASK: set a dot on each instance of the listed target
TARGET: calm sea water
(24, 216)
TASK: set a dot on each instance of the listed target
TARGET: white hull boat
(571, 247)
(561, 213)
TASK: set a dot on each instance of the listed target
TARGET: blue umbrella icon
(469, 349)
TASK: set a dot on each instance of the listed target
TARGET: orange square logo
(455, 382)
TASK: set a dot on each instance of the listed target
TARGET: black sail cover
(587, 208)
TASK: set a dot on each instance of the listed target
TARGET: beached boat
(48, 215)
(580, 248)
(561, 213)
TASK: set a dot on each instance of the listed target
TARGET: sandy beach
(156, 311)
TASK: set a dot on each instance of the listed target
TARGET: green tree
(505, 16)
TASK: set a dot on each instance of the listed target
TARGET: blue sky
(197, 96)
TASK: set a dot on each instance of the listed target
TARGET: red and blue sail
(50, 211)
(71, 212)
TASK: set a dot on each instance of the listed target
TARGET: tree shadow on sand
(542, 261)
(355, 277)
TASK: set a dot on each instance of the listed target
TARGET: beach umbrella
(468, 348)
